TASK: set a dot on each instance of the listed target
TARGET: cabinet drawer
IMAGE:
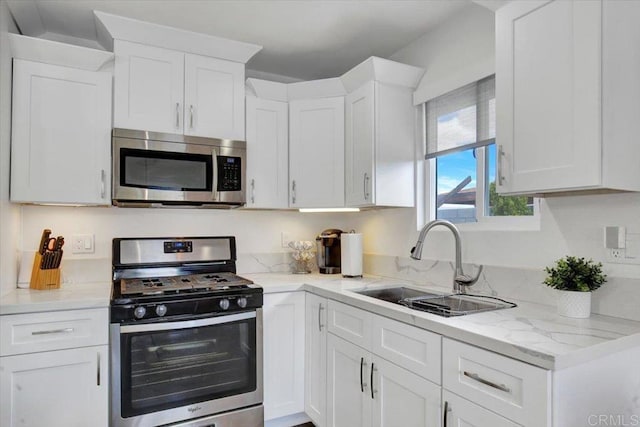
(511, 388)
(350, 323)
(412, 348)
(34, 332)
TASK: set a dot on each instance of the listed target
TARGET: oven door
(175, 371)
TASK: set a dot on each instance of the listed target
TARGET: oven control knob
(161, 310)
(224, 304)
(139, 312)
(242, 302)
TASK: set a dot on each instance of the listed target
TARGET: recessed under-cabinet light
(315, 210)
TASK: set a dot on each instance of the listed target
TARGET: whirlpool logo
(194, 409)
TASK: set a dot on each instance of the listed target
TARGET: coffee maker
(328, 251)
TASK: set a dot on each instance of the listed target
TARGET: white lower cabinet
(283, 331)
(459, 412)
(315, 368)
(365, 390)
(54, 369)
(64, 388)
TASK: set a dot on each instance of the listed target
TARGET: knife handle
(44, 240)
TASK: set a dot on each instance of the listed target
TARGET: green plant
(575, 274)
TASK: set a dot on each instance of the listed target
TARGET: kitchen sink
(446, 305)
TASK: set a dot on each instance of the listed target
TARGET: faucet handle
(466, 280)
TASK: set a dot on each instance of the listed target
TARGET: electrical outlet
(82, 244)
(286, 238)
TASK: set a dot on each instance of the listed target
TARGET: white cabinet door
(66, 388)
(401, 398)
(548, 113)
(267, 154)
(315, 378)
(316, 153)
(348, 396)
(61, 135)
(148, 88)
(213, 98)
(283, 331)
(359, 144)
(460, 412)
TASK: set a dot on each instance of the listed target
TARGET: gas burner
(223, 281)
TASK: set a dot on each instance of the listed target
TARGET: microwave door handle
(214, 180)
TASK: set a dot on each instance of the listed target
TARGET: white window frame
(426, 191)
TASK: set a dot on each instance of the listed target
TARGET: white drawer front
(350, 323)
(34, 332)
(412, 348)
(511, 388)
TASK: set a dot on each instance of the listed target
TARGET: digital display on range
(178, 246)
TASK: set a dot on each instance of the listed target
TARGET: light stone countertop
(532, 333)
(70, 296)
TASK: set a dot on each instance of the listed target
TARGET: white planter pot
(574, 304)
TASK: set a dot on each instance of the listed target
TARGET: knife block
(43, 279)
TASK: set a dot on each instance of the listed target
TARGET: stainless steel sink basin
(446, 305)
(395, 295)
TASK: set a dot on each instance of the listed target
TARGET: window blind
(461, 119)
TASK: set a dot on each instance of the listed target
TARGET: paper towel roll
(351, 254)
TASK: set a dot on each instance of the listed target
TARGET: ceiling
(302, 39)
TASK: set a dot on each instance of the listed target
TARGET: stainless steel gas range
(185, 335)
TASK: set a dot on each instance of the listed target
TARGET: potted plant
(575, 278)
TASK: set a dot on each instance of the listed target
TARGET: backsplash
(618, 297)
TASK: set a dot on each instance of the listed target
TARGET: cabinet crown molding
(112, 27)
(323, 88)
(381, 70)
(266, 89)
(56, 53)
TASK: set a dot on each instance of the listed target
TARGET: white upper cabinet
(61, 132)
(213, 97)
(566, 98)
(380, 133)
(163, 90)
(267, 152)
(148, 92)
(316, 153)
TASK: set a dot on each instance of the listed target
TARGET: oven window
(164, 170)
(168, 369)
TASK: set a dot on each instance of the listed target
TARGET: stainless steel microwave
(152, 169)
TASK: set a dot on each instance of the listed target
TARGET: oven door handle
(165, 326)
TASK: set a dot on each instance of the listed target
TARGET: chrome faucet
(460, 280)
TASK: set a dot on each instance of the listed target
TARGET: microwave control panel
(229, 173)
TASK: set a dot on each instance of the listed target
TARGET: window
(461, 159)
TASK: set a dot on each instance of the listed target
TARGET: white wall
(9, 214)
(454, 52)
(257, 232)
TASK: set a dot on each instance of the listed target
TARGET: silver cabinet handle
(481, 380)
(366, 186)
(53, 331)
(373, 369)
(362, 383)
(501, 154)
(253, 191)
(445, 411)
(98, 372)
(191, 116)
(293, 192)
(177, 115)
(102, 183)
(320, 308)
